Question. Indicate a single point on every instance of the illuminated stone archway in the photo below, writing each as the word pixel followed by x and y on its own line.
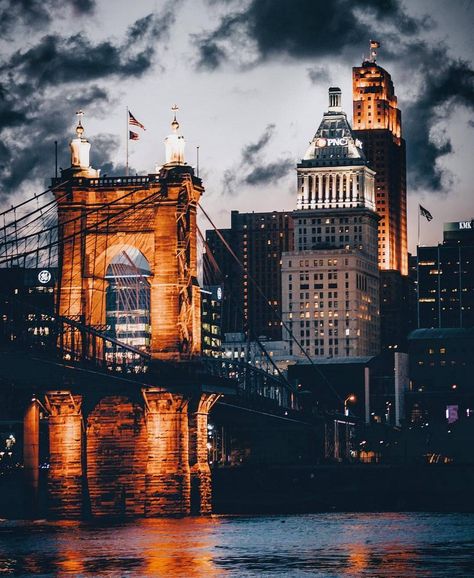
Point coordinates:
pixel 127 310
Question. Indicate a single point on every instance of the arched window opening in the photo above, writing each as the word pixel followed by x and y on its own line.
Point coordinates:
pixel 128 303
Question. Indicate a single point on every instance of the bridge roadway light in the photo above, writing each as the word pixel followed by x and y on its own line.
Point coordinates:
pixel 350 398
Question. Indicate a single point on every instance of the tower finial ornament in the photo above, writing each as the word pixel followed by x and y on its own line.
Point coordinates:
pixel 175 123
pixel 174 143
pixel 79 127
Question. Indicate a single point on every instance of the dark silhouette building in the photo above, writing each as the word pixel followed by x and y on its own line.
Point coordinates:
pixel 252 291
pixel 441 369
pixel 27 303
pixel 445 279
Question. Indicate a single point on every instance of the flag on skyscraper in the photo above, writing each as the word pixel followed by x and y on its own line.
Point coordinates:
pixel 425 213
pixel 374 44
pixel 133 121
pixel 133 135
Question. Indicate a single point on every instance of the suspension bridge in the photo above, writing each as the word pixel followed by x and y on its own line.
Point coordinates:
pixel 117 373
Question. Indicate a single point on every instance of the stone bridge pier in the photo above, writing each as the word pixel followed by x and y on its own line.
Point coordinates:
pixel 143 454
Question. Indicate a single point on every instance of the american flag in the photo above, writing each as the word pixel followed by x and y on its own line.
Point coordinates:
pixel 133 135
pixel 425 213
pixel 133 121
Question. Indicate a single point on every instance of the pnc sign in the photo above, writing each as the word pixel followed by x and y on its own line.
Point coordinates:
pixel 332 142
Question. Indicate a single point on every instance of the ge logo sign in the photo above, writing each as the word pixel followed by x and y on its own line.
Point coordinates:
pixel 44 276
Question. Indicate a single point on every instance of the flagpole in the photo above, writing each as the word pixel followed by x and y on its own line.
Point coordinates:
pixel 418 272
pixel 419 211
pixel 126 141
pixel 418 287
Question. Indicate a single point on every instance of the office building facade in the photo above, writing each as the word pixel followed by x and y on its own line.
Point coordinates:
pixel 377 123
pixel 330 282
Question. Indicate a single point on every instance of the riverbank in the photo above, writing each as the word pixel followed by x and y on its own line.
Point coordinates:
pixel 349 488
pixel 304 490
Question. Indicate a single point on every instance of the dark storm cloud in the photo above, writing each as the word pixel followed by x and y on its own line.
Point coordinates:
pixel 307 29
pixel 250 151
pixel 319 75
pixel 269 173
pixel 57 60
pixel 36 14
pixel 447 85
pixel 252 169
pixel 42 87
pixel 28 154
pixel 302 28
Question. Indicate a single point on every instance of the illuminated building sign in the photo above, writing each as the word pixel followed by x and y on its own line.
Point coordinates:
pixel 332 142
pixel 219 293
pixel 44 276
pixel 460 226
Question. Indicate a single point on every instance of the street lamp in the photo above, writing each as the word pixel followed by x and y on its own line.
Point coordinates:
pixel 350 398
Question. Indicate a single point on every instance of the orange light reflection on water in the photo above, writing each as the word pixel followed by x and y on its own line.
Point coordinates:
pixel 181 548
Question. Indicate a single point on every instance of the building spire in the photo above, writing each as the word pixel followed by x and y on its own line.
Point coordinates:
pixel 174 143
pixel 335 98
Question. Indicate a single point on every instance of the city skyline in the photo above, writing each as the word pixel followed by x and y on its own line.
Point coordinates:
pixel 251 117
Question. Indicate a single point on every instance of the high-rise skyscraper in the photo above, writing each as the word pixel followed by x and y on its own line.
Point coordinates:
pixel 377 123
pixel 330 282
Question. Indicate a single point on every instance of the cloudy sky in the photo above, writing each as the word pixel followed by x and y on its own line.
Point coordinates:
pixel 250 78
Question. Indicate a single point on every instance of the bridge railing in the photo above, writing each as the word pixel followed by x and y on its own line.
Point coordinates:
pixel 253 382
pixel 70 340
pixel 81 343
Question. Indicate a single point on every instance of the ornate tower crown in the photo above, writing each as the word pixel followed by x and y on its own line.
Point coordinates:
pixel 334 142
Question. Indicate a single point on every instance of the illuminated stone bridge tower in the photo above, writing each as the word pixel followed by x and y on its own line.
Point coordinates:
pixel 138 450
pixel 115 220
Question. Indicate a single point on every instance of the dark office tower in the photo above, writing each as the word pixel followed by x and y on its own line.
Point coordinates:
pixel 252 294
pixel 377 123
pixel 446 279
pixel 221 269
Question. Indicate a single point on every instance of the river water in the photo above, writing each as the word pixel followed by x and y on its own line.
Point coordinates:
pixel 379 545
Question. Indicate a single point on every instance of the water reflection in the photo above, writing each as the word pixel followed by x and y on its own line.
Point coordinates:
pixel 319 545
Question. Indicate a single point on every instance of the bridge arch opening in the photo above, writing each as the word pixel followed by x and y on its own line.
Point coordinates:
pixel 128 316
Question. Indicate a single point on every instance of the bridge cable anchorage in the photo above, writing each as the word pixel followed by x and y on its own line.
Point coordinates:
pixel 266 354
pixel 268 304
